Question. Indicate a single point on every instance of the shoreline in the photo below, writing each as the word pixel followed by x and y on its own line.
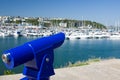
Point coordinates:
pixel 102 70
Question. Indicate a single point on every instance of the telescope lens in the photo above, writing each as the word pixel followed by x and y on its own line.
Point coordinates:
pixel 6 58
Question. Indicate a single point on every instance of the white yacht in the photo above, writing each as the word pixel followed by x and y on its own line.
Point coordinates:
pixel 2 34
pixel 115 35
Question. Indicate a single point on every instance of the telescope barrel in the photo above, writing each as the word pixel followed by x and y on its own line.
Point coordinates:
pixel 28 51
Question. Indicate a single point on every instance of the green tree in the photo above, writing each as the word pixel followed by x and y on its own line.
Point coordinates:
pixel 8 72
pixel 47 24
pixel 18 21
pixel 32 21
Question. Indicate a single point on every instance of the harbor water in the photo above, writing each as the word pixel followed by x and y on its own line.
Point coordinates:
pixel 70 51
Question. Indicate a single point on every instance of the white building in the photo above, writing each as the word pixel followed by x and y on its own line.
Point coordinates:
pixel 63 24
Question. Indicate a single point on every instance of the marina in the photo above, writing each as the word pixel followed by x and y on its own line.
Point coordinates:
pixel 83 42
pixel 71 33
pixel 77 40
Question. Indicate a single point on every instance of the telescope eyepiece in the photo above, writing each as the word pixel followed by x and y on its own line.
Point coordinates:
pixel 6 58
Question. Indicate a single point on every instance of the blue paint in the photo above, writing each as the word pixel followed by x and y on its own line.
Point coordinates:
pixel 36 55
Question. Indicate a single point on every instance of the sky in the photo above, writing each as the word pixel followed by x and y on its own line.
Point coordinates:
pixel 106 12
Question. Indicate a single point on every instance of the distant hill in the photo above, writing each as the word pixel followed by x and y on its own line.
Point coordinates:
pixel 78 23
pixel 50 22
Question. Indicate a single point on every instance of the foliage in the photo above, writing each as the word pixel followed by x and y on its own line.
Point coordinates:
pixel 8 72
pixel 56 22
pixel 32 21
pixel 18 21
pixel 47 24
pixel 79 63
pixel 74 23
pixel 94 60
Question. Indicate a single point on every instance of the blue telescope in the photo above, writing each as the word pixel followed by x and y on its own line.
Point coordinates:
pixel 37 57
